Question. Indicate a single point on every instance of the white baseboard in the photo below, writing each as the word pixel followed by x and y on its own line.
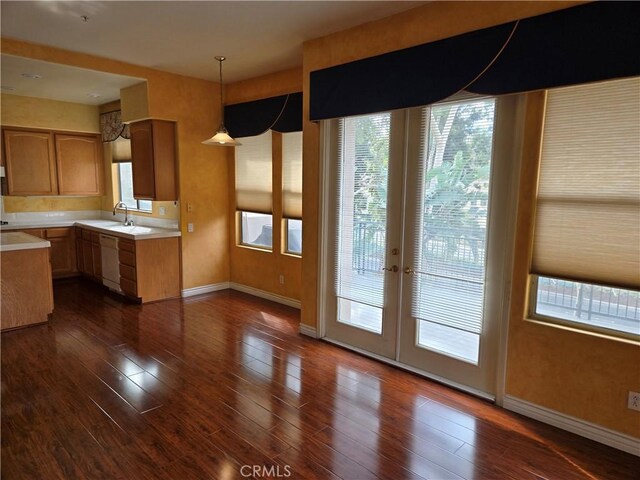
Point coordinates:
pixel 614 439
pixel 214 287
pixel 308 331
pixel 266 295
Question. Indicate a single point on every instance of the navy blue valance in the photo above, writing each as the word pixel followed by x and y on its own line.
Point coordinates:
pixel 591 42
pixel 281 114
pixel 588 43
pixel 405 78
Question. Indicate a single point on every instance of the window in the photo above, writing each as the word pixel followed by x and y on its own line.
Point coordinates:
pixel 294 236
pixel 253 191
pixel 292 191
pixel 125 181
pixel 256 229
pixel 586 251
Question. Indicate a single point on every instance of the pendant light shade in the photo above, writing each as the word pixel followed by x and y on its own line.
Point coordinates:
pixel 221 137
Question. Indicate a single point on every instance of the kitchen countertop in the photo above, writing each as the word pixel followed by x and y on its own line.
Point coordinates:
pixel 10 241
pixel 135 232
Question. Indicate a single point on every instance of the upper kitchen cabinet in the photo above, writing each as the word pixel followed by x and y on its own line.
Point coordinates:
pixel 153 158
pixel 30 162
pixel 79 164
pixel 41 162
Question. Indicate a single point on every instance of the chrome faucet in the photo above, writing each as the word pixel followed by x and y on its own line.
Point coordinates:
pixel 128 222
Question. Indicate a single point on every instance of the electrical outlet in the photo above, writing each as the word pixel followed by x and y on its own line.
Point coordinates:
pixel 634 401
pixel 190 227
pixel 281 279
pixel 163 211
pixel 189 207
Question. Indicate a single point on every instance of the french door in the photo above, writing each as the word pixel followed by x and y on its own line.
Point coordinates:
pixel 413 268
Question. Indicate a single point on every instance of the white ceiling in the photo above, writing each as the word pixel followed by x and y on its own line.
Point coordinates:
pixel 61 82
pixel 257 37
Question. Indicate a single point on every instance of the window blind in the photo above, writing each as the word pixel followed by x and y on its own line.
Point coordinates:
pixel 362 214
pixel 254 175
pixel 588 205
pixel 292 175
pixel 451 224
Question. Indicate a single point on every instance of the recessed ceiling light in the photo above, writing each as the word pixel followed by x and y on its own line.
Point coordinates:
pixel 8 89
pixel 94 95
pixel 33 76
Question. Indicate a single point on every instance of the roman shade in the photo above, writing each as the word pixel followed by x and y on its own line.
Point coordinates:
pixel 280 114
pixel 253 174
pixel 292 175
pixel 121 150
pixel 586 43
pixel 587 225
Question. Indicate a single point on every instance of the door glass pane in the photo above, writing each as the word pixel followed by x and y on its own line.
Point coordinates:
pixel 362 220
pixel 450 241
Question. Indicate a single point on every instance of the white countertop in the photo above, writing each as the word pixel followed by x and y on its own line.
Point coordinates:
pixel 10 241
pixel 135 232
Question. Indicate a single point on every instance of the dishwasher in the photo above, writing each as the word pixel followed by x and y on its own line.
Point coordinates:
pixel 110 262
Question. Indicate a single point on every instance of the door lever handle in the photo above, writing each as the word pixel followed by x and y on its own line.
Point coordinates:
pixel 393 268
pixel 409 271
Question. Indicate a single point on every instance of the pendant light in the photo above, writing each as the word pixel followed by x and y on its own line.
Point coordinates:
pixel 222 137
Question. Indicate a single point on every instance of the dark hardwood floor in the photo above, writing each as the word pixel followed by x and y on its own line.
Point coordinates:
pixel 199 388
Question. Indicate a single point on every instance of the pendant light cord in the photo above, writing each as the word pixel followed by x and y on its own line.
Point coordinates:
pixel 220 60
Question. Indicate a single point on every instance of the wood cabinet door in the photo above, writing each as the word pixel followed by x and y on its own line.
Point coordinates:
pixel 61 257
pixel 79 252
pixel 142 162
pixel 30 162
pixel 87 258
pixel 79 164
pixel 96 254
pixel 63 251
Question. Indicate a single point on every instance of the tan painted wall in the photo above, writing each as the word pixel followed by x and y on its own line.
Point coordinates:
pixel 252 267
pixel 203 174
pixel 32 112
pixel 582 375
pixel 574 373
pixel 20 111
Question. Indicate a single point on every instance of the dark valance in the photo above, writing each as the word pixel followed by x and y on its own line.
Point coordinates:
pixel 591 42
pixel 281 114
pixel 588 43
pixel 112 127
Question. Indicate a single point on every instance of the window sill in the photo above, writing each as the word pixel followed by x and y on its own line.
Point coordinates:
pixel 292 255
pixel 621 337
pixel 254 248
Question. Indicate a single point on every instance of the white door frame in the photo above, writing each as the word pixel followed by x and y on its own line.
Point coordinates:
pixel 509 128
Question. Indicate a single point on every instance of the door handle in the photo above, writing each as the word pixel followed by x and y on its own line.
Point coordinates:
pixel 409 271
pixel 393 268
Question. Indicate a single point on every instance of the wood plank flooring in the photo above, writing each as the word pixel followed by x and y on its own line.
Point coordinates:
pixel 210 386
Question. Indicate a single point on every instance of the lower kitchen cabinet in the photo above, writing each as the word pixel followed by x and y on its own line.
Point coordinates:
pixel 88 253
pixel 150 269
pixel 63 249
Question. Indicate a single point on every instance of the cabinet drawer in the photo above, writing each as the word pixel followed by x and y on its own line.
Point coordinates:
pixel 127 272
pixel 126 245
pixel 57 232
pixel 128 287
pixel 127 258
pixel 86 235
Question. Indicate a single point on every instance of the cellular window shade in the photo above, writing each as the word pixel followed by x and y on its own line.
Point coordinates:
pixel 588 206
pixel 292 175
pixel 253 174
